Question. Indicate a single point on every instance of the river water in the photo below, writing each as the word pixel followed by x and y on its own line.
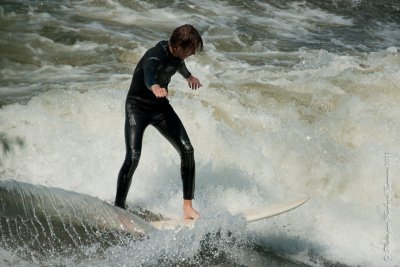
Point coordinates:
pixel 299 98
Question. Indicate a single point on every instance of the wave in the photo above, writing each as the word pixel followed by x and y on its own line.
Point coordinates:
pixel 37 221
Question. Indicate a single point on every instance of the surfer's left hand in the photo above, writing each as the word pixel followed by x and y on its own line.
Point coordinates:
pixel 193 82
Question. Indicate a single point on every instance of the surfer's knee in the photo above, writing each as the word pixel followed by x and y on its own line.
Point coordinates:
pixel 187 154
pixel 186 147
pixel 135 157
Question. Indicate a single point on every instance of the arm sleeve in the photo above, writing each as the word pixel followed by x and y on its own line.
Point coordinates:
pixel 150 67
pixel 184 71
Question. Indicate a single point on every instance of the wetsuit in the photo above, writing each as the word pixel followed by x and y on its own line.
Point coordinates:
pixel 143 108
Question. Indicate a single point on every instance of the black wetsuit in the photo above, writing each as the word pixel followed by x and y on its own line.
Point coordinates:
pixel 143 108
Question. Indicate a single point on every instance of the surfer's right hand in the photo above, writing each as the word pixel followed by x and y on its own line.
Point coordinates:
pixel 159 91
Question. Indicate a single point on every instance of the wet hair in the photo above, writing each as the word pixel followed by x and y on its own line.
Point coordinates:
pixel 186 37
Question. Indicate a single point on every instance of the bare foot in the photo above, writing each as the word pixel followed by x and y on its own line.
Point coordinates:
pixel 189 212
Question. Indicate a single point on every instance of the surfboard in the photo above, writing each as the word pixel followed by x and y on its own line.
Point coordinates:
pixel 40 220
pixel 251 215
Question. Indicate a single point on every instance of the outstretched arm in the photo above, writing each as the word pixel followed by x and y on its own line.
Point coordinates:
pixel 193 82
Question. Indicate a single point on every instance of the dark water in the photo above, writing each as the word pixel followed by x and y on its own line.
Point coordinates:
pixel 299 98
pixel 36 35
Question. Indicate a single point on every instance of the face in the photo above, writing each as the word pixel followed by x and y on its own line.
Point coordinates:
pixel 183 53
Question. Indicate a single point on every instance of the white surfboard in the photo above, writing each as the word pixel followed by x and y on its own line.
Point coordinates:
pixel 251 215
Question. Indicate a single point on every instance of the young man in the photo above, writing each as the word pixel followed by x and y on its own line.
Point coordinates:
pixel 147 104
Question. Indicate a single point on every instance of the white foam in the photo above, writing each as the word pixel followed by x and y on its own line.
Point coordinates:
pixel 261 132
pixel 247 153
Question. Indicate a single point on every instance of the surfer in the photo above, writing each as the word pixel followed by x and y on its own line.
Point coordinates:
pixel 147 104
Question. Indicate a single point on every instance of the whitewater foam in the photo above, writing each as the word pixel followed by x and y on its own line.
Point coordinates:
pixel 284 112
